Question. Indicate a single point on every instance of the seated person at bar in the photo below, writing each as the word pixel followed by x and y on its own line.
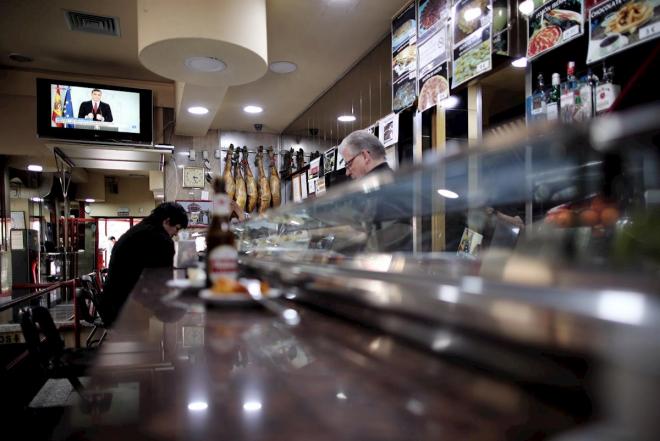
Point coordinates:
pixel 146 245
pixel 387 216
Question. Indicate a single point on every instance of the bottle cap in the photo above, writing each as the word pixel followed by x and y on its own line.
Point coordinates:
pixel 571 67
pixel 555 79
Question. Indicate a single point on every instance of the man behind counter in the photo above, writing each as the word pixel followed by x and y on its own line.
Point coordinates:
pixel 95 109
pixel 386 216
pixel 146 245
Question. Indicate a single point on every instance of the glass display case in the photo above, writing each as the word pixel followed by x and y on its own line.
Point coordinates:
pixel 531 255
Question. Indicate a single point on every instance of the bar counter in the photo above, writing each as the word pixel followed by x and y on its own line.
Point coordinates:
pixel 176 368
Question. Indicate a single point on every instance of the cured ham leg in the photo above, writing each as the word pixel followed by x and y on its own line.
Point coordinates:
pixel 250 182
pixel 274 179
pixel 241 192
pixel 230 185
pixel 262 186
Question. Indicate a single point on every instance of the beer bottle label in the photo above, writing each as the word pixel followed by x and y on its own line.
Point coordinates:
pixel 223 263
pixel 221 205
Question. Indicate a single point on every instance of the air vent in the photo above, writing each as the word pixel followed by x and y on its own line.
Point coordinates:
pixel 95 24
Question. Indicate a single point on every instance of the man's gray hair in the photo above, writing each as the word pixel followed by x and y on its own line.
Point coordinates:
pixel 363 140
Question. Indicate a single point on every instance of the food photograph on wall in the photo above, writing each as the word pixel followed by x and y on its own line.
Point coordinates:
pixel 404 59
pixel 552 25
pixel 472 47
pixel 432 44
pixel 617 25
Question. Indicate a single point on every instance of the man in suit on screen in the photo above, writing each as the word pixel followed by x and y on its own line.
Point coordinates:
pixel 95 109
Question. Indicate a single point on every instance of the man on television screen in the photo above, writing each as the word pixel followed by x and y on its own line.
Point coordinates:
pixel 95 109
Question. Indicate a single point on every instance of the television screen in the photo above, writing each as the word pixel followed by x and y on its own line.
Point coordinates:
pixel 93 112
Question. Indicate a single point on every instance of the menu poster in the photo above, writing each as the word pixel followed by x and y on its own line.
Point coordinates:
pixel 303 185
pixel 617 25
pixel 470 244
pixel 553 24
pixel 501 27
pixel 432 52
pixel 472 57
pixel 311 186
pixel 472 50
pixel 329 160
pixel 404 59
pixel 297 194
pixel 314 168
pixel 389 129
pixel 320 186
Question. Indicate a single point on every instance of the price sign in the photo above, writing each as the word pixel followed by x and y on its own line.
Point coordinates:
pixel 649 31
pixel 570 33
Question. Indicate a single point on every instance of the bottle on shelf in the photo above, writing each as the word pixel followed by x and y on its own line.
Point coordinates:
pixel 567 99
pixel 221 253
pixel 606 91
pixel 539 101
pixel 553 99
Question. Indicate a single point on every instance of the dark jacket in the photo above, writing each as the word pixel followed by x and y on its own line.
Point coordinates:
pixel 86 107
pixel 388 214
pixel 146 245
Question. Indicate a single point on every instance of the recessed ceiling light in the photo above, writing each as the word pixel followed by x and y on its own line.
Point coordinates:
pixel 346 118
pixel 520 62
pixel 20 58
pixel 90 200
pixel 526 7
pixel 205 64
pixel 197 406
pixel 472 14
pixel 282 67
pixel 198 110
pixel 447 193
pixel 35 167
pixel 36 199
pixel 253 109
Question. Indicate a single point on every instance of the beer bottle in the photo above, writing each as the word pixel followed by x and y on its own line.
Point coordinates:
pixel 221 254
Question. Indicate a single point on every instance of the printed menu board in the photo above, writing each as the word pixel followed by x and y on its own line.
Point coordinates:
pixel 432 52
pixel 404 59
pixel 501 27
pixel 472 49
pixel 617 25
pixel 388 131
pixel 554 24
pixel 329 159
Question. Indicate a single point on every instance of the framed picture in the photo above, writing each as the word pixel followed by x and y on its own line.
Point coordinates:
pixel 199 212
pixel 329 160
pixel 18 220
pixel 193 177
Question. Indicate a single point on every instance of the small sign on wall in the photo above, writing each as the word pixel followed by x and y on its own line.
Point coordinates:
pixel 123 211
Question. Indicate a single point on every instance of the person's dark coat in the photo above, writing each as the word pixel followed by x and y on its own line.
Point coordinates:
pixel 87 107
pixel 146 245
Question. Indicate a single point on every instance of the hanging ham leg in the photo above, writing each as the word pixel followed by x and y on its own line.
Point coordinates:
pixel 250 182
pixel 230 185
pixel 241 192
pixel 262 186
pixel 274 179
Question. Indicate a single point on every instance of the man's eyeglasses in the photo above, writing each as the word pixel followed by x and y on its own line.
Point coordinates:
pixel 348 164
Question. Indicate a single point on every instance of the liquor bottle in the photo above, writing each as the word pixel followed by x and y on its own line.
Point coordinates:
pixel 606 91
pixel 579 111
pixel 567 100
pixel 553 99
pixel 539 101
pixel 221 254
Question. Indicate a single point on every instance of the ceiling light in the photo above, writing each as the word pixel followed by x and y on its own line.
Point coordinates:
pixel 253 109
pixel 342 396
pixel 472 14
pixel 447 193
pixel 198 110
pixel 197 406
pixel 36 199
pixel 252 406
pixel 346 118
pixel 90 200
pixel 282 67
pixel 450 102
pixel 35 167
pixel 526 7
pixel 520 62
pixel 205 64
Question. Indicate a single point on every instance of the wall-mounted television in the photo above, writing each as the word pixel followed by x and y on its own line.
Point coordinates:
pixel 94 112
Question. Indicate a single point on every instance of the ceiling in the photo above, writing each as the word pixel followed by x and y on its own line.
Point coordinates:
pixel 323 37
